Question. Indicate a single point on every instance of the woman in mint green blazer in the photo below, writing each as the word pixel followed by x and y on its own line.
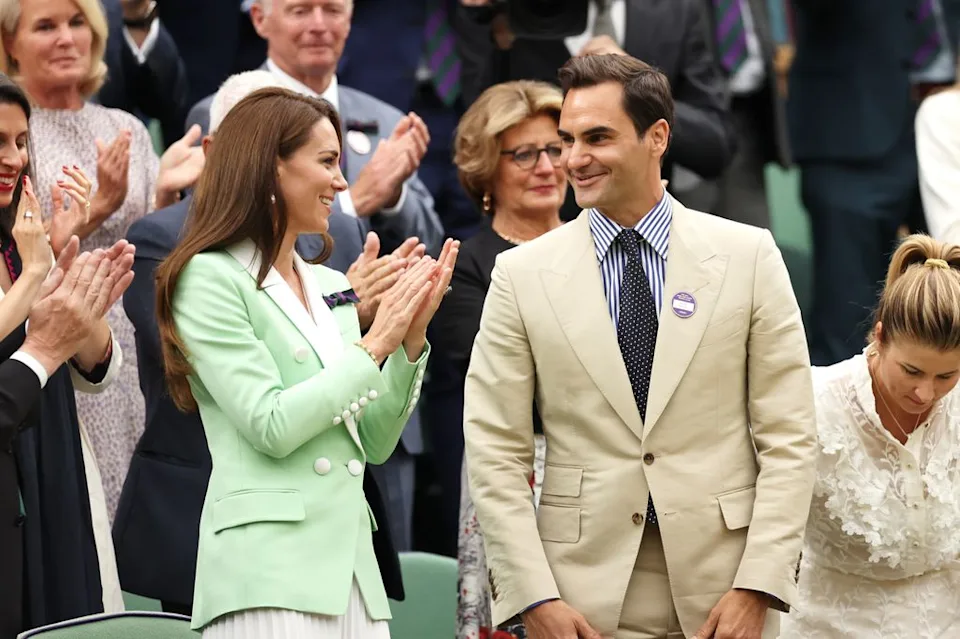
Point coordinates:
pixel 294 402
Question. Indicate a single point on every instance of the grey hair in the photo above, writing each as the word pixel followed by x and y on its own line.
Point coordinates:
pixel 236 88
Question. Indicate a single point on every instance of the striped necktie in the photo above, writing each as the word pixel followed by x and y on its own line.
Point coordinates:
pixel 929 42
pixel 441 52
pixel 731 34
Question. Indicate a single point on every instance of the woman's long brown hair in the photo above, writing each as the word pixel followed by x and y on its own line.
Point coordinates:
pixel 232 202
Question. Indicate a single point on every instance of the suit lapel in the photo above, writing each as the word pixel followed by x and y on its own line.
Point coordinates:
pixel 693 268
pixel 576 295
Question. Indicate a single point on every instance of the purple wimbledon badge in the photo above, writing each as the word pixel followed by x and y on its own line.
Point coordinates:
pixel 684 305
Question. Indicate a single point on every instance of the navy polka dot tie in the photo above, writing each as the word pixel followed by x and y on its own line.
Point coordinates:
pixel 637 329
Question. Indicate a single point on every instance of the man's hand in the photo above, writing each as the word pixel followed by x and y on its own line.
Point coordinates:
pixel 396 159
pixel 601 45
pixel 556 620
pixel 739 614
pixel 371 277
pixel 180 167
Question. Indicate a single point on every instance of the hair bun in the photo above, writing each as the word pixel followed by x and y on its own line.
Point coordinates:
pixel 936 262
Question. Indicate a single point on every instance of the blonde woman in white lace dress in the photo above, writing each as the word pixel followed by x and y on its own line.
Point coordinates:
pixel 882 544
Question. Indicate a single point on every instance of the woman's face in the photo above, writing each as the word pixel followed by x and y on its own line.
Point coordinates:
pixel 530 181
pixel 52 44
pixel 310 180
pixel 13 150
pixel 913 377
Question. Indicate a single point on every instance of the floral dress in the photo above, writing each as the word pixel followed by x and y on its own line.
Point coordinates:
pixel 474 616
pixel 882 542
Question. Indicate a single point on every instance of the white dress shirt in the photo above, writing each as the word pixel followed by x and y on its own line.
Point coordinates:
pixel 938 157
pixel 331 95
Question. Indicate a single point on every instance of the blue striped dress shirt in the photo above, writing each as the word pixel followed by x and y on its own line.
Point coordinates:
pixel 654 228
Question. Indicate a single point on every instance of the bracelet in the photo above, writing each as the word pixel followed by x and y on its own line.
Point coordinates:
pixel 368 352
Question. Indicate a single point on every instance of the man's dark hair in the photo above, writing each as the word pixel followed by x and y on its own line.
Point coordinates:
pixel 646 91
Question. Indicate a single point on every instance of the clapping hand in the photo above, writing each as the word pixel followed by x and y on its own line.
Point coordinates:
pixel 443 272
pixel 180 167
pixel 29 234
pixel 395 160
pixel 371 276
pixel 113 165
pixel 66 221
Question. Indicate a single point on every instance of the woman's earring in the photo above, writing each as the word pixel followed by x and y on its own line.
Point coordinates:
pixel 486 203
pixel 273 199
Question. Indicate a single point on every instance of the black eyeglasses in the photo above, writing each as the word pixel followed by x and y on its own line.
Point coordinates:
pixel 527 156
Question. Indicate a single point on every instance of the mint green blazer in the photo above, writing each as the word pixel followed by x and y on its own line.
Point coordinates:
pixel 293 412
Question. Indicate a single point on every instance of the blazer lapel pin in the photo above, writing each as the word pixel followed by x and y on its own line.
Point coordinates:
pixel 359 134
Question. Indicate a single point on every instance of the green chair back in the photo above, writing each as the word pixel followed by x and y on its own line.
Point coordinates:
pixel 123 625
pixel 430 608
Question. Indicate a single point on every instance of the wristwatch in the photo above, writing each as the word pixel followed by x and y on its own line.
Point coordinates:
pixel 144 20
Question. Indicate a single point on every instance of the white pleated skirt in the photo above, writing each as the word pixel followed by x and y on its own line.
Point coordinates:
pixel 275 623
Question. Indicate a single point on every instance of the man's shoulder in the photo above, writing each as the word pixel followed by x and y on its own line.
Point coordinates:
pixel 727 236
pixel 156 233
pixel 354 102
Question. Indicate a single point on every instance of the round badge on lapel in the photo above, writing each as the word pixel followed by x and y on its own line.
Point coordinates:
pixel 359 142
pixel 684 305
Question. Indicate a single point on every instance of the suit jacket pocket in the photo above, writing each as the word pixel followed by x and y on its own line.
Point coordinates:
pixel 562 481
pixel 559 523
pixel 251 506
pixel 722 329
pixel 737 507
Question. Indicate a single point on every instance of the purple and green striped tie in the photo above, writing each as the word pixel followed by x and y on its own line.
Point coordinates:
pixel 929 42
pixel 731 34
pixel 441 52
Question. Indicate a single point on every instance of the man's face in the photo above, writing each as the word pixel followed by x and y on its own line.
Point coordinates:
pixel 604 159
pixel 305 37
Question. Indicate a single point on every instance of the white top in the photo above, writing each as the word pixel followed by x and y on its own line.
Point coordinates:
pixel 884 519
pixel 938 155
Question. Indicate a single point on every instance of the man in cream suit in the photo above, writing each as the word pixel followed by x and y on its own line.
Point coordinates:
pixel 665 352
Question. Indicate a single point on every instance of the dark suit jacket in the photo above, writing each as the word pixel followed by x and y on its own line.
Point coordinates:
pixel 19 394
pixel 157 524
pixel 215 40
pixel 156 89
pixel 673 36
pixel 849 84
pixel 772 122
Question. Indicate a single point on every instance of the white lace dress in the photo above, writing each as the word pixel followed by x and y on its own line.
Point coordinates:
pixel 880 557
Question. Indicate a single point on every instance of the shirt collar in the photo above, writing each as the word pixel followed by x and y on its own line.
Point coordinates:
pixel 331 95
pixel 654 227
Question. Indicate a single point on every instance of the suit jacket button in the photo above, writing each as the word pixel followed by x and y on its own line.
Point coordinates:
pixel 637 519
pixel 354 407
pixel 648 459
pixel 300 354
pixel 354 467
pixel 372 394
pixel 322 466
pixel 345 414
pixel 337 420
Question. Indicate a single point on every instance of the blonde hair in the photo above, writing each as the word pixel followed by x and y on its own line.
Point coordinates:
pixel 478 140
pixel 92 12
pixel 921 300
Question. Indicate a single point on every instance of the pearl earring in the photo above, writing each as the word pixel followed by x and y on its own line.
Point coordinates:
pixel 486 203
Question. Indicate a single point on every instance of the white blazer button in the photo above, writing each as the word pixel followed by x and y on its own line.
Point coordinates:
pixel 354 467
pixel 322 466
pixel 337 420
pixel 354 407
pixel 345 414
pixel 363 401
pixel 300 354
pixel 372 394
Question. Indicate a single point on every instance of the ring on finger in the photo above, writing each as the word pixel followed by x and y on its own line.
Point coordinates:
pixel 28 215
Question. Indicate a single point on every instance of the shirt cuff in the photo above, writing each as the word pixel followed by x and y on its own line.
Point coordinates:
pixel 399 205
pixel 141 52
pixel 31 362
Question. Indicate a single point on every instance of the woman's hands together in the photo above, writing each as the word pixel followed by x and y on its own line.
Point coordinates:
pixel 407 308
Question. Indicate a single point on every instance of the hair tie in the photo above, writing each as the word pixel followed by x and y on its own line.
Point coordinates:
pixel 936 262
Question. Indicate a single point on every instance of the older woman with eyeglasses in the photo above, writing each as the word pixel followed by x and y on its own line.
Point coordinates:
pixel 507 152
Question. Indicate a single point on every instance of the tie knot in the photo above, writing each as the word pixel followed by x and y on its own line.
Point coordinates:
pixel 630 242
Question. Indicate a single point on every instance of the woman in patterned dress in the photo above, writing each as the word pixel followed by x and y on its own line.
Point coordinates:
pixel 54 49
pixel 881 557
pixel 508 157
